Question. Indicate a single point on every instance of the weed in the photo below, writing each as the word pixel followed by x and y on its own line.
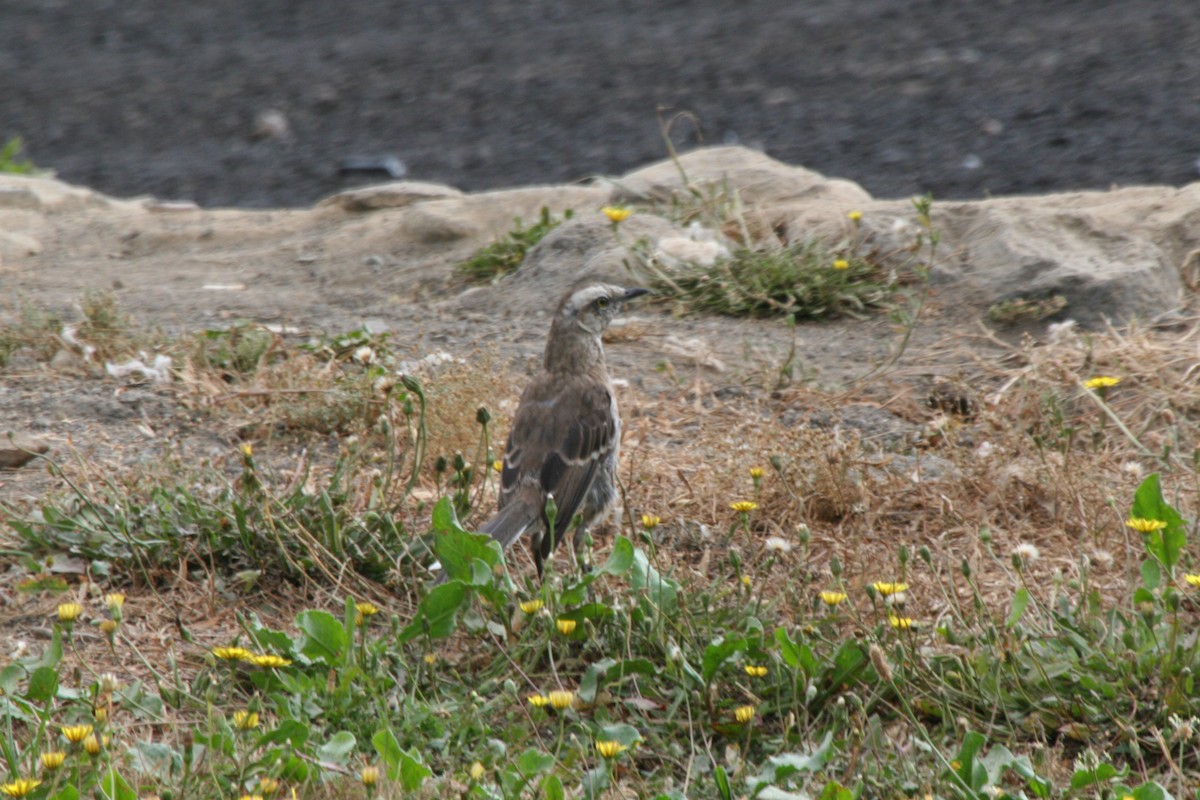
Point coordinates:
pixel 506 254
pixel 11 160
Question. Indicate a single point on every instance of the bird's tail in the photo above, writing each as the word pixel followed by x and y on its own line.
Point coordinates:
pixel 512 522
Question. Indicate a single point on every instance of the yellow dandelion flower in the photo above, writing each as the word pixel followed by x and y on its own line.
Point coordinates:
pixel 532 606
pixel 566 626
pixel 1193 580
pixel 746 581
pixel 855 216
pixel 20 787
pixel 1101 382
pixel 369 776
pixel 268 660
pixel 832 598
pixel 247 449
pixel 53 759
pixel 430 659
pixel 744 506
pixel 616 214
pixel 498 465
pixel 650 522
pixel 114 601
pixel 610 748
pixel 76 733
pixel 232 653
pixel 366 609
pixel 91 745
pixel 1145 525
pixel 69 612
pixel 885 588
pixel 561 699
pixel 744 714
pixel 538 700
pixel 245 720
pixel 476 771
pixel 251 797
pixel 100 713
pixel 755 671
pixel 268 785
pixel 900 623
pixel 109 626
pixel 841 263
pixel 756 472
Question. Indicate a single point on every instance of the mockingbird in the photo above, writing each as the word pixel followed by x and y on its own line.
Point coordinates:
pixel 566 432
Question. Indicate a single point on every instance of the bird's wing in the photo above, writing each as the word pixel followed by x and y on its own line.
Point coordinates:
pixel 563 431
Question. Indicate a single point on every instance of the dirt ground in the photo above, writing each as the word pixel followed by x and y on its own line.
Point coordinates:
pixel 962 100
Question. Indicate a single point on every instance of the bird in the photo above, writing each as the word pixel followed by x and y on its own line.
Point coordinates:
pixel 566 434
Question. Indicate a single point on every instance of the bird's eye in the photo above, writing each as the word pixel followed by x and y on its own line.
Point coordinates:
pixel 601 302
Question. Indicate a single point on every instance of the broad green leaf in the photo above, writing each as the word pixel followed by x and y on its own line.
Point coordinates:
pixel 534 762
pixel 552 788
pixel 619 732
pixel 113 787
pixel 620 558
pixel 778 768
pixel 324 637
pixel 338 748
pixel 968 771
pixel 662 592
pixel 289 731
pixel 1166 544
pixel 43 684
pixel 718 653
pixel 67 792
pixel 1083 778
pixel 835 791
pixel 437 614
pixel 389 751
pixel 1151 790
pixel 596 782
pixel 10 678
pixel 413 771
pixel 721 778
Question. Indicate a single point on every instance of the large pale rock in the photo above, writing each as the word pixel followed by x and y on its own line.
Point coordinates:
pixel 33 193
pixel 759 181
pixel 397 194
pixel 581 249
pixel 489 215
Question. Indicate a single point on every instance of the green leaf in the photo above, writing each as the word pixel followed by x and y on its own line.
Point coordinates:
pixel 113 787
pixel 10 677
pixel 778 768
pixel 1151 790
pixel 534 762
pixel 619 560
pixel 413 771
pixel 835 791
pixel 1019 603
pixel 1083 778
pixel 552 788
pixel 43 684
pixel 619 732
pixel 969 772
pixel 722 780
pixel 154 759
pixel 795 655
pixel 67 792
pixel 596 783
pixel 437 614
pixel 338 748
pixel 389 751
pixel 324 637
pixel 460 552
pixel 289 731
pixel 1166 544
pixel 718 653
pixel 662 592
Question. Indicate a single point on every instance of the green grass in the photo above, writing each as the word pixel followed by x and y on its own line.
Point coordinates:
pixel 506 254
pixel 11 160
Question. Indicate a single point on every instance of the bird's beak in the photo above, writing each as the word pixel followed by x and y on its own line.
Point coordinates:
pixel 635 291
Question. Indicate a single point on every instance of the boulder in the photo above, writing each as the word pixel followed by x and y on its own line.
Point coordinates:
pixel 390 195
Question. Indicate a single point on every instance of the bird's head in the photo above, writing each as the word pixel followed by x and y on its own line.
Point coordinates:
pixel 594 306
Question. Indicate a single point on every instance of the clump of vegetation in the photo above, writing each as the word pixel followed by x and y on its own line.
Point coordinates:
pixel 504 255
pixel 1026 309
pixel 11 160
pixel 801 281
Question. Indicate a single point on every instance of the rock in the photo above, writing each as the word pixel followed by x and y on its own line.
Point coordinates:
pixel 490 215
pixel 18 245
pixel 390 195
pixel 17 449
pixel 583 248
pixel 759 180
pixel 47 195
